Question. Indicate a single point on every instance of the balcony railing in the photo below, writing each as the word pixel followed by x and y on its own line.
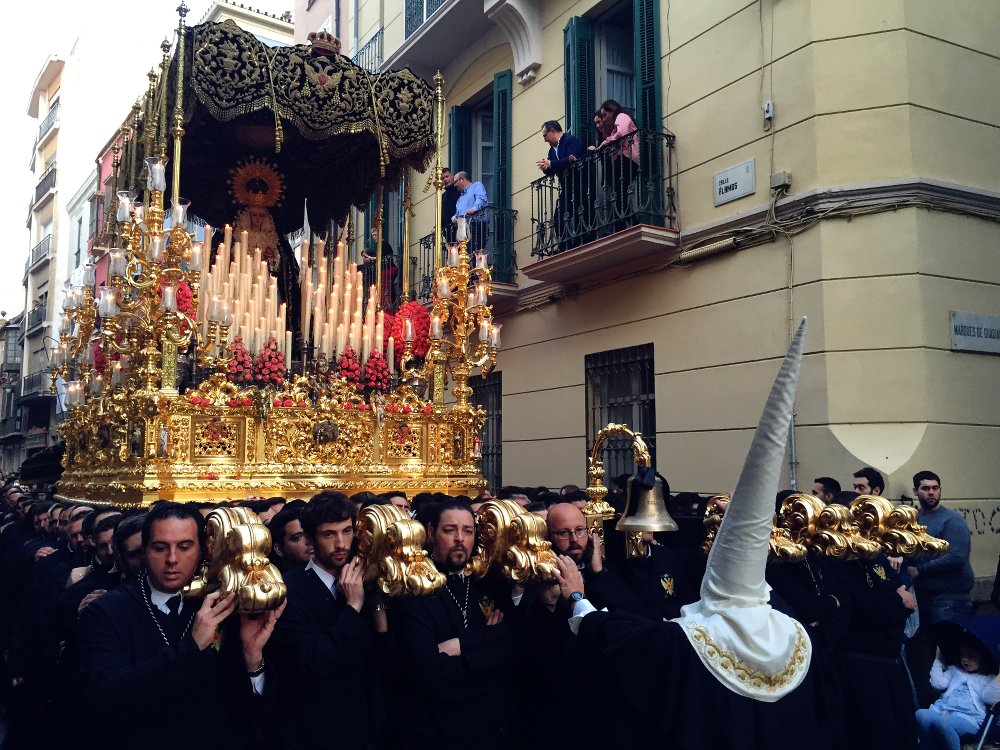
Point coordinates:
pixel 392 281
pixel 604 193
pixel 491 229
pixel 418 11
pixel 36 317
pixel 48 122
pixel 369 57
pixel 36 384
pixel 10 426
pixel 40 251
pixel 46 183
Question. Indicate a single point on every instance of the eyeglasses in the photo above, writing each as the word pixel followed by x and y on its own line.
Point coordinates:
pixel 579 533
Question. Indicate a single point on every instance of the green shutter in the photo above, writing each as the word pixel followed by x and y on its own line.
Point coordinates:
pixel 503 94
pixel 646 22
pixel 578 65
pixel 459 139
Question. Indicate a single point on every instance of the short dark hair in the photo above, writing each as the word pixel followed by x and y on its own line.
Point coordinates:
pixel 326 507
pixel 124 528
pixel 105 524
pixel 875 480
pixel 551 125
pixel 830 485
pixel 281 519
pixel 920 476
pixel 535 506
pixel 508 491
pixel 167 509
pixel 845 497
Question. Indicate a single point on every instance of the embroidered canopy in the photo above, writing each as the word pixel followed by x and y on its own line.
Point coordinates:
pixel 333 130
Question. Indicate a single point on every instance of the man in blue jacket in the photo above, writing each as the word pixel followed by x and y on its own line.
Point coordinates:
pixel 564 150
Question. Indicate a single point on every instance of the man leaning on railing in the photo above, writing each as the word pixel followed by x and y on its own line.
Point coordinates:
pixel 564 150
pixel 471 199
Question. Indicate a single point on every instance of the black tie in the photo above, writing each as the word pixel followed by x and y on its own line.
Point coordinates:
pixel 174 605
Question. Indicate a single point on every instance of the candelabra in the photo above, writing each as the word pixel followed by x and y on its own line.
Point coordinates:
pixel 460 299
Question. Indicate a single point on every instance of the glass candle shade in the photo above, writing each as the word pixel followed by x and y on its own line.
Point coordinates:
pixel 157 173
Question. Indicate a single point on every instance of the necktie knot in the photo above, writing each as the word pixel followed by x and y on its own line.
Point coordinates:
pixel 174 604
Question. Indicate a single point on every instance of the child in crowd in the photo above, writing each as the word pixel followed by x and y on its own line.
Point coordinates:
pixel 969 686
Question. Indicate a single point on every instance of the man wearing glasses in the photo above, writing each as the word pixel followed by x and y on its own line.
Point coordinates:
pixel 568 534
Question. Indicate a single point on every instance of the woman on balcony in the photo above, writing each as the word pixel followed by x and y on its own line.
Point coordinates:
pixel 623 140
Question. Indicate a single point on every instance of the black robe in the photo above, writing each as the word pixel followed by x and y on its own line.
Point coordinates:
pixel 152 695
pixel 322 654
pixel 662 696
pixel 458 702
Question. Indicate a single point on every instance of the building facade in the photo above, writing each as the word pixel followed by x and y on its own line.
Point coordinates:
pixel 875 126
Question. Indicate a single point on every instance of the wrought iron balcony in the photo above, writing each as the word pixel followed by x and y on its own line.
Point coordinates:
pixel 36 384
pixel 604 193
pixel 49 121
pixel 46 183
pixel 418 11
pixel 40 251
pixel 369 56
pixel 36 317
pixel 491 229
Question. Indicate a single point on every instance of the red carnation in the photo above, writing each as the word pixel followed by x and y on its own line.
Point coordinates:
pixel 417 313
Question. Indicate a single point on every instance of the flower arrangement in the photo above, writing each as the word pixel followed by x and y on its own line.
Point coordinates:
pixel 269 366
pixel 375 376
pixel 240 366
pixel 417 313
pixel 349 367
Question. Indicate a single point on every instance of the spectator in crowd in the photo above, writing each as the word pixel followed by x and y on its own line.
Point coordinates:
pixel 867 481
pixel 619 175
pixel 472 199
pixel 943 583
pixel 576 198
pixel 390 272
pixel 825 488
pixel 449 204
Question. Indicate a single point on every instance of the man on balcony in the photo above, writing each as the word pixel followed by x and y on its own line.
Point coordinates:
pixel 471 199
pixel 564 150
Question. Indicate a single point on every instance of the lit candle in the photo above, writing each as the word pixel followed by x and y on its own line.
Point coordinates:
pixel 288 348
pixel 484 329
pixel 435 326
pixel 495 335
pixel 444 287
pixel 116 374
pixel 194 261
pixel 470 301
pixel 341 334
pixel 178 212
pixel 97 385
pixel 225 313
pixel 461 229
pixel 480 259
pixel 168 300
pixel 481 296
pixel 453 252
pixel 390 355
pixel 156 248
pixel 408 330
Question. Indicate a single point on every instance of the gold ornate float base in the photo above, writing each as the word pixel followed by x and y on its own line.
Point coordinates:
pixel 221 442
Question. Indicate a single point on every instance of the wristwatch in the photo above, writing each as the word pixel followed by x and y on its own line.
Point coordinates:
pixel 576 596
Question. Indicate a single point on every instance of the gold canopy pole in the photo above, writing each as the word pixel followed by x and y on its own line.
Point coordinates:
pixel 406 239
pixel 378 249
pixel 438 180
pixel 178 129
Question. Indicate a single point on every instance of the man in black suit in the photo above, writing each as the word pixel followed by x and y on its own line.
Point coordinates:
pixel 460 645
pixel 165 672
pixel 322 648
pixel 576 197
pixel 449 202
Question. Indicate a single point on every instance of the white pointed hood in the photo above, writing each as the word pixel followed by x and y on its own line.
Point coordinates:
pixel 749 647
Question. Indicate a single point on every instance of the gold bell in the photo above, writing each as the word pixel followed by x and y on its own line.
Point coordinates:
pixel 645 508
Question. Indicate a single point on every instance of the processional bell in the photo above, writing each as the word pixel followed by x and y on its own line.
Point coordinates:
pixel 645 505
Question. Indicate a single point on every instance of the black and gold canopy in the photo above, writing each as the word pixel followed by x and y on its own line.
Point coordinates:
pixel 333 130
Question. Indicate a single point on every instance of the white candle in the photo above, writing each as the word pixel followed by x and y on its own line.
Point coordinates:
pixel 481 296
pixel 390 356
pixel 461 229
pixel 408 330
pixel 480 260
pixel 288 349
pixel 444 287
pixel 340 340
pixel 435 326
pixel 495 335
pixel 484 329
pixel 168 300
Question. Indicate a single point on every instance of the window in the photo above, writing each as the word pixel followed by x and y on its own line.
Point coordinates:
pixel 620 389
pixel 488 393
pixel 79 241
pixel 615 64
pixel 482 165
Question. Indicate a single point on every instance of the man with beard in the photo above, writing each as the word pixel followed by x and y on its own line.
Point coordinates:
pixel 151 658
pixel 943 583
pixel 323 647
pixel 460 645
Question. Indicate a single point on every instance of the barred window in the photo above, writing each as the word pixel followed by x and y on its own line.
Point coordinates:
pixel 620 386
pixel 487 393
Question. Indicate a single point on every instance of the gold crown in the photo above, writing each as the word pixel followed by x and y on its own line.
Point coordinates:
pixel 324 43
pixel 256 182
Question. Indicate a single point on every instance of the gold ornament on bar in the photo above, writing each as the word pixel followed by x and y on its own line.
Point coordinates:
pixel 391 547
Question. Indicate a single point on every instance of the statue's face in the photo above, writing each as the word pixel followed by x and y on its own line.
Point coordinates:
pixel 257 216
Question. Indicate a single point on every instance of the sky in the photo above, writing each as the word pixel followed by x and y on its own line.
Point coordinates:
pixel 36 30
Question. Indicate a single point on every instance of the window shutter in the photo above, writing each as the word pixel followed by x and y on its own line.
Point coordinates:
pixel 646 22
pixel 578 66
pixel 459 139
pixel 503 84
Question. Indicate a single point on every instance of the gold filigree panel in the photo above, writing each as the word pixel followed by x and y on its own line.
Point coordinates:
pixel 216 437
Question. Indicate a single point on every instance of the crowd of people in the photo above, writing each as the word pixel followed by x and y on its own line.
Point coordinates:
pixel 100 649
